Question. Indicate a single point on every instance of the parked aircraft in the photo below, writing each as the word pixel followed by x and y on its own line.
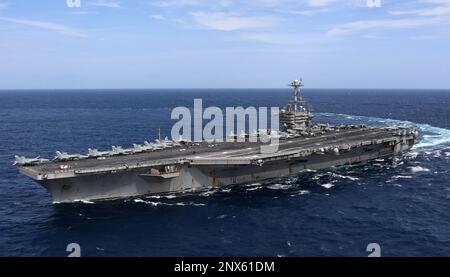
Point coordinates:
pixel 94 153
pixel 21 160
pixel 63 156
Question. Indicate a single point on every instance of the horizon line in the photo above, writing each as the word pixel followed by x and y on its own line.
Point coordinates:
pixel 213 88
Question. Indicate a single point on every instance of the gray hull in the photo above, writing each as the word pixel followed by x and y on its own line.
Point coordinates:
pixel 138 181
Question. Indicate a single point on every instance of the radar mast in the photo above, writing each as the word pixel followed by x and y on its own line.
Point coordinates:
pixel 297 115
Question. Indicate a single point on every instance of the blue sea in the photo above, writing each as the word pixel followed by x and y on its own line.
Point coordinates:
pixel 402 203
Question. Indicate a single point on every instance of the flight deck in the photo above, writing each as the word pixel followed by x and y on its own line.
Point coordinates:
pixel 222 153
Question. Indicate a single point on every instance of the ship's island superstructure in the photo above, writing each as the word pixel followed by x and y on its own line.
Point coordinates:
pixel 166 166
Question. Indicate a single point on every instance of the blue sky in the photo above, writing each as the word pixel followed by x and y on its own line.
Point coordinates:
pixel 224 43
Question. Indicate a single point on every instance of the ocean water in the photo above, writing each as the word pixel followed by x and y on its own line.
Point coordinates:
pixel 401 203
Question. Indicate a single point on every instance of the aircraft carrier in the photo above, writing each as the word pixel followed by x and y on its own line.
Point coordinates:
pixel 167 166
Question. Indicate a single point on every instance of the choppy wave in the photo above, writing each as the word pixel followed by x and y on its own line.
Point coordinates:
pixel 279 186
pixel 301 192
pixel 328 185
pixel 416 169
pixel 345 177
pixel 253 188
pixel 402 177
pixel 170 196
pixel 431 135
pixel 79 201
pixel 160 203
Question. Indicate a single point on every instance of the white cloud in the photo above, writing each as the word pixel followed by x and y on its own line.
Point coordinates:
pixel 362 25
pixel 81 13
pixel 176 3
pixel 268 3
pixel 281 38
pixel 192 3
pixel 261 20
pixel 158 17
pixel 373 36
pixel 436 1
pixel 311 12
pixel 435 11
pixel 46 26
pixel 231 22
pixel 105 4
pixel 271 38
pixel 426 38
pixel 439 8
pixel 319 3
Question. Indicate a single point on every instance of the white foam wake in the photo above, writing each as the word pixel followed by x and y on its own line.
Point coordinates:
pixel 415 169
pixel 153 203
pixel 430 135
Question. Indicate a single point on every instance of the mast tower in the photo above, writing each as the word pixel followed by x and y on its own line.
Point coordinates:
pixel 297 115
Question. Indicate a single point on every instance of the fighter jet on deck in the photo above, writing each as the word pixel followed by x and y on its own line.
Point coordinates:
pixel 166 143
pixel 147 146
pixel 94 153
pixel 118 150
pixel 137 148
pixel 154 146
pixel 63 156
pixel 21 160
pixel 170 143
